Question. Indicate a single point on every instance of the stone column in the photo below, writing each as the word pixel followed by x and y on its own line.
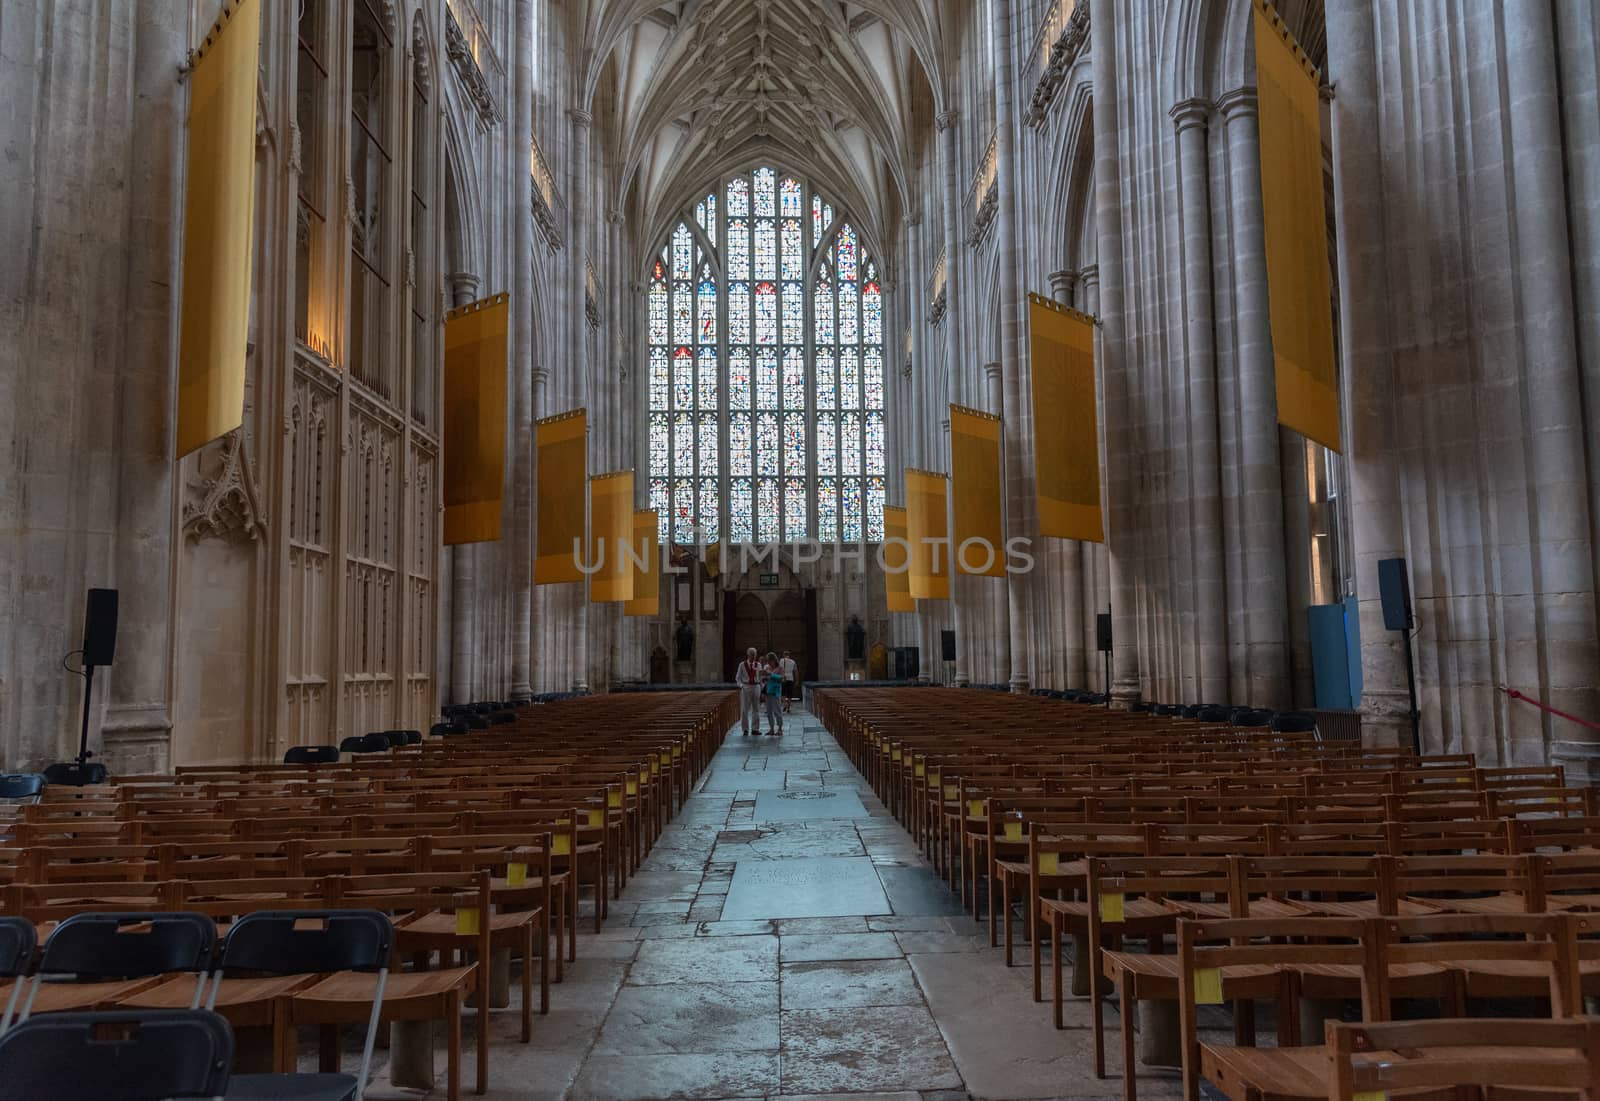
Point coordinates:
pixel 1018 489
pixel 578 208
pixel 463 563
pixel 1115 461
pixel 1367 372
pixel 1073 553
pixel 1205 506
pixel 1563 568
pixel 994 402
pixel 1261 499
pixel 519 547
pixel 136 692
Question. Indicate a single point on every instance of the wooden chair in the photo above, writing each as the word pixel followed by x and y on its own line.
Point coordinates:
pixel 1153 975
pixel 1557 1059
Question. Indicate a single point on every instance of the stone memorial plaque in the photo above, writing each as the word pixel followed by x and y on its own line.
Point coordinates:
pixel 843 886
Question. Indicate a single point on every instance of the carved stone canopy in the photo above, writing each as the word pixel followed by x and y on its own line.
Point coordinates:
pixel 225 503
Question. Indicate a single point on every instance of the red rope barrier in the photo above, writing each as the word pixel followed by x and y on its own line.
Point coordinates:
pixel 1542 706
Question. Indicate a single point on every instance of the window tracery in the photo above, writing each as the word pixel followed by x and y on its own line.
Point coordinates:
pixel 791 334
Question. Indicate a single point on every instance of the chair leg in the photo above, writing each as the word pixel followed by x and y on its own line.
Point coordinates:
pixel 544 961
pixel 1130 1088
pixel 1034 948
pixel 989 890
pixel 1005 895
pixel 1055 972
pixel 483 1026
pixel 328 1049
pixel 452 1009
pixel 527 982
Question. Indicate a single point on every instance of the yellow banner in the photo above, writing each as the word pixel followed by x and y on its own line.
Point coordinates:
pixel 976 491
pixel 927 519
pixel 475 362
pixel 1299 292
pixel 1066 445
pixel 897 560
pixel 562 443
pixel 218 207
pixel 610 531
pixel 646 579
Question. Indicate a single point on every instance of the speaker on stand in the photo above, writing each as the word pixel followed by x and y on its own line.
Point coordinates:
pixel 99 648
pixel 1102 641
pixel 1394 589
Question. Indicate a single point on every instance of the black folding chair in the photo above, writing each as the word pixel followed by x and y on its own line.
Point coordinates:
pixel 311 755
pixel 23 785
pixel 147 1055
pixel 18 939
pixel 309 942
pixel 376 742
pixel 111 947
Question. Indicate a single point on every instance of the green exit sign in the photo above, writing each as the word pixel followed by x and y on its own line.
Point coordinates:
pixel 769 581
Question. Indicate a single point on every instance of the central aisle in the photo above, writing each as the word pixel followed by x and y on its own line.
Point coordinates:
pixel 785 939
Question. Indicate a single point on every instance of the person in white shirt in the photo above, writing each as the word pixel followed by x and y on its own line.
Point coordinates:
pixel 749 676
pixel 791 681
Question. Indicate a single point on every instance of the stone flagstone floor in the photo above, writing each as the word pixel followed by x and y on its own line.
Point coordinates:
pixel 785 940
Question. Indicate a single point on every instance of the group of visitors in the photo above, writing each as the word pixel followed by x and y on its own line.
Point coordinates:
pixel 774 681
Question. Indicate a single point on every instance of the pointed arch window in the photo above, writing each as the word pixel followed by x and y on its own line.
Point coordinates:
pixel 765 382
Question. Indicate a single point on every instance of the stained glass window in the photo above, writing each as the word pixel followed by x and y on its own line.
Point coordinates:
pixel 791 200
pixel 794 446
pixel 766 313
pixel 827 443
pixel 658 378
pixel 707 317
pixel 827 510
pixel 682 253
pixel 660 453
pixel 682 379
pixel 739 512
pixel 794 257
pixel 766 249
pixel 738 378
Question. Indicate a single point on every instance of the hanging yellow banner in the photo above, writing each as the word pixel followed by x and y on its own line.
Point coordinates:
pixel 610 532
pixel 475 364
pixel 928 531
pixel 897 560
pixel 1066 446
pixel 562 442
pixel 218 209
pixel 976 490
pixel 646 598
pixel 1299 282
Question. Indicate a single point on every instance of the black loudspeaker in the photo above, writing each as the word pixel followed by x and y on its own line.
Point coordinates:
pixel 1395 589
pixel 100 627
pixel 947 645
pixel 1102 632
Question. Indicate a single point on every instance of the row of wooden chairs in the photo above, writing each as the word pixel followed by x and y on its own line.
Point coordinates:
pixel 1114 829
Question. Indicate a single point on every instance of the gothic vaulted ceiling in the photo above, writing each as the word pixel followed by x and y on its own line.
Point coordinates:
pixel 696 88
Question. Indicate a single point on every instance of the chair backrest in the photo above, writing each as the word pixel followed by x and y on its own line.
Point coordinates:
pixel 1295 722
pixel 22 785
pixel 128 945
pixel 75 775
pixel 1385 1057
pixel 18 938
pixel 311 755
pixel 141 1055
pixel 304 942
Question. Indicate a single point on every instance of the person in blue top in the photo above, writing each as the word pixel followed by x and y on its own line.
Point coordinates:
pixel 772 695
